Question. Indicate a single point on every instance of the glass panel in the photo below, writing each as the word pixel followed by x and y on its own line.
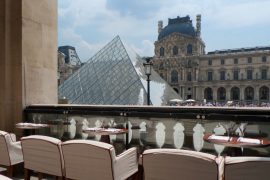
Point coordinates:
pixel 115 75
pixel 155 132
pixel 249 74
pixel 210 76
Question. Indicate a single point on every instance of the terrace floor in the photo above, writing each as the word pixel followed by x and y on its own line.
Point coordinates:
pixel 19 175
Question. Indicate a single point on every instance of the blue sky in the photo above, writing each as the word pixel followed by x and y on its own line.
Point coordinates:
pixel 89 24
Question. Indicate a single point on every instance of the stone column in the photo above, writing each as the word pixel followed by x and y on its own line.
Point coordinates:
pixel 28 57
pixel 242 93
pixel 228 93
pixel 214 89
pixel 256 93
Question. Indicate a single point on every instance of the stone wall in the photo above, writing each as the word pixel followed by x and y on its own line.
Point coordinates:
pixel 28 57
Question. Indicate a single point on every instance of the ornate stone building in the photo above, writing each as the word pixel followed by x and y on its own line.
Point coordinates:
pixel 68 62
pixel 240 75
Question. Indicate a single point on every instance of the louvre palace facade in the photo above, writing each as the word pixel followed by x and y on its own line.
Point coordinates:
pixel 240 75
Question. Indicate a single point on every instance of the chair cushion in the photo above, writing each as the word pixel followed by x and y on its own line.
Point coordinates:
pixel 43 154
pixel 177 164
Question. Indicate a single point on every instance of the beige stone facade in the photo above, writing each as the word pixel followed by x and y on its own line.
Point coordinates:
pixel 241 75
pixel 68 63
pixel 28 59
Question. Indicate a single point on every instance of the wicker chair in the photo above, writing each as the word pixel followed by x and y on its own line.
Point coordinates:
pixel 86 159
pixel 4 177
pixel 248 168
pixel 42 154
pixel 174 164
pixel 10 152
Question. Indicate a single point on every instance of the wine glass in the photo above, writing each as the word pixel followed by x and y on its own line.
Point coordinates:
pixel 241 132
pixel 111 123
pixel 230 128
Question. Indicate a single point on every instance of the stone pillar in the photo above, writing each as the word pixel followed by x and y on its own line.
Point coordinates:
pixel 256 93
pixel 242 93
pixel 214 89
pixel 28 57
pixel 198 25
pixel 228 93
pixel 160 26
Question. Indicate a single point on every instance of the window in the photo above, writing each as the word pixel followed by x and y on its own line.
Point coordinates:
pixel 210 76
pixel 176 90
pixel 264 59
pixel 235 61
pixel 249 93
pixel 161 51
pixel 264 73
pixel 222 75
pixel 189 77
pixel 189 49
pixel 249 74
pixel 249 60
pixel 208 94
pixel 235 93
pixel 235 75
pixel 221 93
pixel 222 62
pixel 264 93
pixel 174 76
pixel 175 50
pixel 209 62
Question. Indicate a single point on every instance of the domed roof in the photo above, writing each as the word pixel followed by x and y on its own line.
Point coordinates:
pixel 181 25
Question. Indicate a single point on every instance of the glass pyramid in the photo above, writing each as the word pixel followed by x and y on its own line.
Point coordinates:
pixel 115 76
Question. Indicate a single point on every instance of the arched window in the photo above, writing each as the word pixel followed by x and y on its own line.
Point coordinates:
pixel 208 94
pixel 161 51
pixel 249 93
pixel 264 93
pixel 235 93
pixel 175 50
pixel 174 76
pixel 189 49
pixel 221 93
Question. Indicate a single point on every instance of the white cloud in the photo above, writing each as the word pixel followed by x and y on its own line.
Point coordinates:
pixel 146 48
pixel 241 14
pixel 84 49
pixel 224 13
pixel 101 24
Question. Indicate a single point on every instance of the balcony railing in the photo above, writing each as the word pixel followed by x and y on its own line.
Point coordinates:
pixel 155 127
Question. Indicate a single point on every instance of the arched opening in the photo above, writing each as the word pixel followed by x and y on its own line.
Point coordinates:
pixel 235 94
pixel 208 94
pixel 161 51
pixel 249 94
pixel 264 93
pixel 175 50
pixel 189 49
pixel 174 76
pixel 221 94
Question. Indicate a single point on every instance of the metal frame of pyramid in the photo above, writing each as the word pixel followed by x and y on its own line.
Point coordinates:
pixel 115 76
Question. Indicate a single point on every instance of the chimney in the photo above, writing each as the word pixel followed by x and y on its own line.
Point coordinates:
pixel 160 26
pixel 198 25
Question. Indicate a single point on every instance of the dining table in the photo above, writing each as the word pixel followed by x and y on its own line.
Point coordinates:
pixel 105 132
pixel 236 144
pixel 30 128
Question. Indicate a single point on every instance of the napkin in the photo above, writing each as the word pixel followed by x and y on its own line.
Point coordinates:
pixel 249 140
pixel 113 130
pixel 215 137
pixel 94 129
